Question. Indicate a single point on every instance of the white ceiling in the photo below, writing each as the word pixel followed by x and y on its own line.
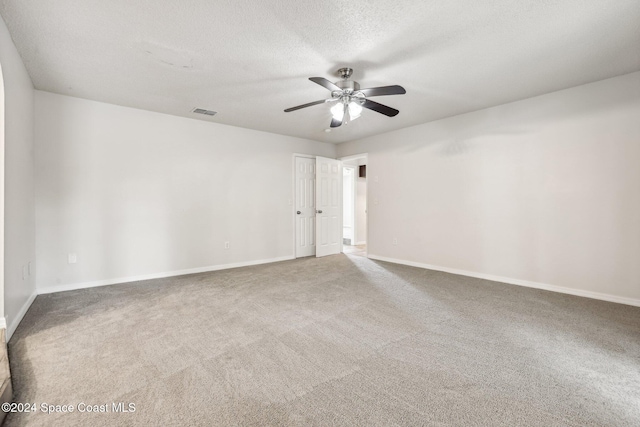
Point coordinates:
pixel 249 60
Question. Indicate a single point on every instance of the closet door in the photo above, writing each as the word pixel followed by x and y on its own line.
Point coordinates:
pixel 305 206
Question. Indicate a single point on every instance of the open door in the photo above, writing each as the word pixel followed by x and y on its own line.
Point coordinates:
pixel 305 176
pixel 328 206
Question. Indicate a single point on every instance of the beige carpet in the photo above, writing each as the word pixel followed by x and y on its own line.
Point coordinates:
pixel 341 340
pixel 360 250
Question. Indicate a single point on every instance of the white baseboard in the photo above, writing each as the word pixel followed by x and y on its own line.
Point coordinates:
pixel 84 285
pixel 518 282
pixel 13 324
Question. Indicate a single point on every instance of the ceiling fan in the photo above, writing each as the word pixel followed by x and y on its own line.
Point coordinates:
pixel 350 99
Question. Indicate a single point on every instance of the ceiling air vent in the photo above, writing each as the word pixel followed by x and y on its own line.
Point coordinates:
pixel 203 111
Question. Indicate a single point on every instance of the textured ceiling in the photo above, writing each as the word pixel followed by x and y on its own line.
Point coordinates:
pixel 249 60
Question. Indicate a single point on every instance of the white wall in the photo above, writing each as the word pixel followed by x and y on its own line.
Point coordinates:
pixel 137 193
pixel 543 192
pixel 19 204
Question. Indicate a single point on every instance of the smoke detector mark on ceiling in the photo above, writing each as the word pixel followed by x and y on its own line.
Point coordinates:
pixel 203 111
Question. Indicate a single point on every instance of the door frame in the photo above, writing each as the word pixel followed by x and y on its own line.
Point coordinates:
pixel 368 192
pixel 292 202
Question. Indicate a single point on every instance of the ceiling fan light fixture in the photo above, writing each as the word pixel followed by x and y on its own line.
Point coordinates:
pixel 354 110
pixel 337 111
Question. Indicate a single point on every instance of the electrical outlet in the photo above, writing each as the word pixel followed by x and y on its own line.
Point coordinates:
pixel 226 245
pixel 73 258
pixel 395 240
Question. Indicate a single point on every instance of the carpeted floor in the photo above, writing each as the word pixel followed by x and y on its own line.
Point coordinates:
pixel 341 340
pixel 360 250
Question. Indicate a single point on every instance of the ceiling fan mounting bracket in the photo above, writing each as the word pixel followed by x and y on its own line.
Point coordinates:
pixel 345 73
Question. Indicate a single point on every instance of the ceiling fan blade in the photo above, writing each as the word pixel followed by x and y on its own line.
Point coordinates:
pixel 382 109
pixel 384 90
pixel 288 110
pixel 324 83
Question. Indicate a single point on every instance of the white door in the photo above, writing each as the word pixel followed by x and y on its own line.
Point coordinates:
pixel 305 207
pixel 328 206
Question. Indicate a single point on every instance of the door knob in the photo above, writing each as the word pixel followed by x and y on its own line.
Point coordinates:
pixel 318 211
pixel 298 212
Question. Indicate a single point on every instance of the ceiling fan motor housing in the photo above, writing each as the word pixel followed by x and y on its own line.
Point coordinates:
pixel 348 85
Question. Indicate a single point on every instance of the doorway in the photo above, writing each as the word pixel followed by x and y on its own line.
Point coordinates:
pixel 348 204
pixel 318 206
pixel 354 205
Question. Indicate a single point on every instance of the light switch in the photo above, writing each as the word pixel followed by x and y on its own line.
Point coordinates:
pixel 73 258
